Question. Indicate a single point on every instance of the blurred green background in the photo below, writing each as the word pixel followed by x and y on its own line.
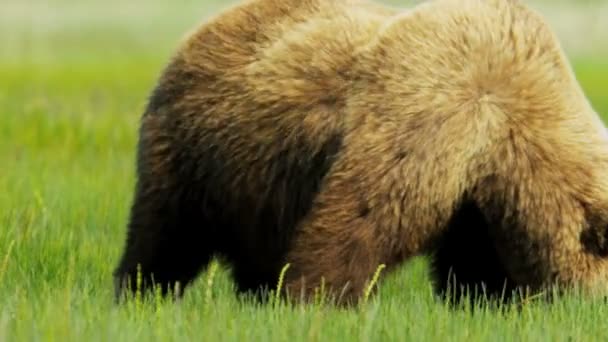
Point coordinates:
pixel 106 29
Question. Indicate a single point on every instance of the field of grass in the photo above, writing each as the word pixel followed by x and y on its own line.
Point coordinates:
pixel 74 77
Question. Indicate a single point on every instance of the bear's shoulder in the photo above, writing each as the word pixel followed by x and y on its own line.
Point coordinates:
pixel 297 51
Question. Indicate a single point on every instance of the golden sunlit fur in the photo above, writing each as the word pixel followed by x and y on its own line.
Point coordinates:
pixel 412 114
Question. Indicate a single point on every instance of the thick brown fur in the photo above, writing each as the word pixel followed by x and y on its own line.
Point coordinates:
pixel 338 135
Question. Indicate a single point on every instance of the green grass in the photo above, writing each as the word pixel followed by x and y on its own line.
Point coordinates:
pixel 70 101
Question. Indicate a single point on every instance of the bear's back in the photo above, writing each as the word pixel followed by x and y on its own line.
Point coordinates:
pixel 292 52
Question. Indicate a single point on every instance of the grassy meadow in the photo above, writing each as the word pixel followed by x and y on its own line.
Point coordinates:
pixel 74 76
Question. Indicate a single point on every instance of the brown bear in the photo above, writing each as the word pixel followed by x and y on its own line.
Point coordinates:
pixel 339 135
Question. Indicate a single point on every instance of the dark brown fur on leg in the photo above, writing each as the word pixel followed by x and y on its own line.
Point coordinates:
pixel 339 269
pixel 165 239
pixel 163 245
pixel 465 261
pixel 339 262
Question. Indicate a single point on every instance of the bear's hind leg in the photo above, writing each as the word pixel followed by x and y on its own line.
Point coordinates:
pixel 465 260
pixel 541 264
pixel 540 237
